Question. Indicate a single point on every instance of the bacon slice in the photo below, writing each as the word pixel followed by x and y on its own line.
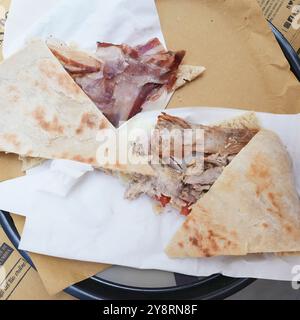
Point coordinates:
pixel 120 79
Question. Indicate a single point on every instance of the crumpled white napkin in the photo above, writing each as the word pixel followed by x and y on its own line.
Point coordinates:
pixel 62 176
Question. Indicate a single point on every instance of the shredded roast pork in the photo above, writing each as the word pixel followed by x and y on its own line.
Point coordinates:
pixel 120 79
pixel 182 185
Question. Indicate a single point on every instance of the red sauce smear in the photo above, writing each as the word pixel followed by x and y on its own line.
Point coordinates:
pixel 164 200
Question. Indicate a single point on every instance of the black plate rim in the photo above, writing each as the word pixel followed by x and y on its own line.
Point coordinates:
pixel 288 51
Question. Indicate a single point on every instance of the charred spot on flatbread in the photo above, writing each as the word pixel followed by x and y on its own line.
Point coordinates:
pixel 88 121
pixel 12 139
pixel 53 125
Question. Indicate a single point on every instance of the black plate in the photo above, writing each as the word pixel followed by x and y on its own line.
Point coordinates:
pixel 184 287
pixel 288 51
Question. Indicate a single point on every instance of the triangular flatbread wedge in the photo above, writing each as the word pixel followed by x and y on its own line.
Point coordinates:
pixel 44 113
pixel 252 208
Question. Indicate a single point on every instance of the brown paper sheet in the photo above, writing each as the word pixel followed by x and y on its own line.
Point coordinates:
pixel 245 69
pixel 283 13
pixel 18 281
pixel 245 66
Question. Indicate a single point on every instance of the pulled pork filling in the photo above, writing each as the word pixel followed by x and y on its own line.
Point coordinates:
pixel 182 185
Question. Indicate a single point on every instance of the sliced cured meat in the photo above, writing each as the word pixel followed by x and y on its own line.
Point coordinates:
pixel 73 60
pixel 120 79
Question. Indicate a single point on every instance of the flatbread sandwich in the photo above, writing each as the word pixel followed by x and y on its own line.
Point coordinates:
pixel 241 199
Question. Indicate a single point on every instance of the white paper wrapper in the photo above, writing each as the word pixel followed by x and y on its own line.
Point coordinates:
pixel 94 222
pixel 82 22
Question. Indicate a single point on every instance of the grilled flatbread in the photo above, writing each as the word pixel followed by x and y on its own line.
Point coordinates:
pixel 30 163
pixel 44 113
pixel 253 207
